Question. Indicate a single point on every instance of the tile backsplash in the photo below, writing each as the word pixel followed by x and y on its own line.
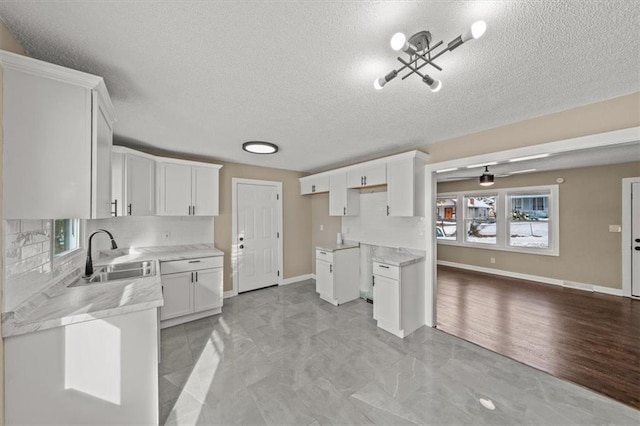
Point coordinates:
pixel 30 266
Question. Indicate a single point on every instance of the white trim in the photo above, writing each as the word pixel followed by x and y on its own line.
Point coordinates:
pixel 190 317
pixel 186 162
pixel 536 278
pixel 626 234
pixel 299 278
pixel 228 294
pixel 119 149
pixel 615 137
pixel 234 225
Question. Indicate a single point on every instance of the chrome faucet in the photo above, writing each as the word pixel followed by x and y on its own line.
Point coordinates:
pixel 88 267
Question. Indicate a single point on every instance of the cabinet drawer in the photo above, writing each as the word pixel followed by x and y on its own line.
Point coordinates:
pixel 191 265
pixel 324 255
pixel 388 271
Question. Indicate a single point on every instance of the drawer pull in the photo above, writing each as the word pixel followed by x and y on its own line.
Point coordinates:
pixel 384 266
pixel 323 252
pixel 195 261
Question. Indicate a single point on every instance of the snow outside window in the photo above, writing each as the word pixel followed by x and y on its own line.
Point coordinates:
pixel 66 236
pixel 523 219
pixel 446 218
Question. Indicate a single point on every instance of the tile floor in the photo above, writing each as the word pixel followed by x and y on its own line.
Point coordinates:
pixel 283 356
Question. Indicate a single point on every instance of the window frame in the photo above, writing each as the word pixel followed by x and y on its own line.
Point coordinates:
pixel 503 222
pixel 57 257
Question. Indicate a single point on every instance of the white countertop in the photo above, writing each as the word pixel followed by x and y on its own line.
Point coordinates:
pixel 333 247
pixel 396 257
pixel 62 305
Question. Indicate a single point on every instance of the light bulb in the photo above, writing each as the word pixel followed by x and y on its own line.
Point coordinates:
pixel 476 31
pixel 398 41
pixel 478 28
pixel 436 86
pixel 379 83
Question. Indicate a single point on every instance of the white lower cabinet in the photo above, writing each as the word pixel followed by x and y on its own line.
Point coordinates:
pixel 97 372
pixel 338 275
pixel 398 297
pixel 191 289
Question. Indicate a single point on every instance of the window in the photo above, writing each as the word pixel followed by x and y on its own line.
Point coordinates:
pixel 446 218
pixel 66 236
pixel 480 219
pixel 512 219
pixel 529 221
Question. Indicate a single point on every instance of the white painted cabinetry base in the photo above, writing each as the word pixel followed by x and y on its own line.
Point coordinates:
pixel 191 317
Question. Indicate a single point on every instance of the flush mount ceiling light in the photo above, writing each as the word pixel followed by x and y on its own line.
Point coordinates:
pixel 422 53
pixel 487 178
pixel 259 147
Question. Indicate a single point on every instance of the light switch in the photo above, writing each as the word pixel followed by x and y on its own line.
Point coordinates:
pixel 322 227
pixel 615 228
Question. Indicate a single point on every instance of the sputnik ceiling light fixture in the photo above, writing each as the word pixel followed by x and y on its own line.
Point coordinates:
pixel 421 53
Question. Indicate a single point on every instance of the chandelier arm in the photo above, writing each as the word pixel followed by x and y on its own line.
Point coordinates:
pixel 412 68
pixel 436 56
pixel 429 60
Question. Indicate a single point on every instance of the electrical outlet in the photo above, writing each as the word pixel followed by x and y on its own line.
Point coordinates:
pixel 166 235
pixel 322 227
pixel 615 228
pixel 493 260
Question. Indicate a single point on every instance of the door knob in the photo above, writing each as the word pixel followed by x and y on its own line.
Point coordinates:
pixel 241 246
pixel 241 238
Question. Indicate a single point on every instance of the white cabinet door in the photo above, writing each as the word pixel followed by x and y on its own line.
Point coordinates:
pixel 175 189
pixel 342 201
pixel 324 278
pixel 401 188
pixel 364 176
pixel 141 186
pixel 386 301
pixel 117 183
pixel 176 291
pixel 204 182
pixel 314 184
pixel 207 289
pixel 101 160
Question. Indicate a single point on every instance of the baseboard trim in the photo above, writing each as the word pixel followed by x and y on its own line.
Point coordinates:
pixel 297 279
pixel 536 278
pixel 228 294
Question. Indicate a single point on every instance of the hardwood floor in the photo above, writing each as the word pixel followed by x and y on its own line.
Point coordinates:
pixel 587 338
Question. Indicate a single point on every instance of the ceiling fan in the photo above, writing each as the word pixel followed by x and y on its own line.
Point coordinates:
pixel 485 179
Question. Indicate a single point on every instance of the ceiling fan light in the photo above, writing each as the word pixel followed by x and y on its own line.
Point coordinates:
pixel 486 180
pixel 259 147
pixel 379 83
pixel 436 86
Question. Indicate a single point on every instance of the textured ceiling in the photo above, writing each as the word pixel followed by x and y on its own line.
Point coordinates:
pixel 203 77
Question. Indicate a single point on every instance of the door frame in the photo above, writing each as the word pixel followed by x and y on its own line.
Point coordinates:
pixel 626 234
pixel 615 137
pixel 234 227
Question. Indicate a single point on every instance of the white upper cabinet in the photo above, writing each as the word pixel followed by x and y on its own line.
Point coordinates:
pixel 57 128
pixel 342 200
pixel 405 187
pixel 187 188
pixel 367 175
pixel 314 184
pixel 133 182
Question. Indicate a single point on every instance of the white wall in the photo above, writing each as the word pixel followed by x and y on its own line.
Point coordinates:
pixel 135 231
pixel 374 227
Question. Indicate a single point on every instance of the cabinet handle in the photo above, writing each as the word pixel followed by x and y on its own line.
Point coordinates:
pixel 196 277
pixel 194 210
pixel 192 277
pixel 384 266
pixel 344 211
pixel 313 188
pixel 189 210
pixel 114 213
pixel 387 210
pixel 365 180
pixel 331 268
pixel 373 281
pixel 195 261
pixel 361 180
pixel 129 209
pixel 323 252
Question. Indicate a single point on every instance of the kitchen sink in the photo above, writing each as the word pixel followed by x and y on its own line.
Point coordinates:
pixel 120 271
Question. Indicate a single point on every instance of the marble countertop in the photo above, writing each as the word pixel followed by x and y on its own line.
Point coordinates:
pixel 333 247
pixel 69 303
pixel 396 257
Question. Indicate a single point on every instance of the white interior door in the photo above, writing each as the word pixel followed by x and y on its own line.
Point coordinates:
pixel 257 235
pixel 635 239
